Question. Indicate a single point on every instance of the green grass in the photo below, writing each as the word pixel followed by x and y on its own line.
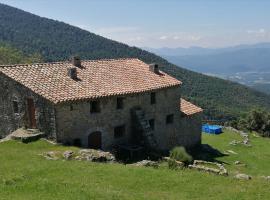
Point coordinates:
pixel 26 175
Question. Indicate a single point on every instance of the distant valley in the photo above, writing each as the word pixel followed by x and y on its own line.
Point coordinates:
pixel 245 64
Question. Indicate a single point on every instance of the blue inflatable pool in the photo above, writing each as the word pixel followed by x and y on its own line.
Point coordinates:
pixel 212 129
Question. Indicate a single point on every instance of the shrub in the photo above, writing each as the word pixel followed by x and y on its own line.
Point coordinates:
pixel 173 164
pixel 180 154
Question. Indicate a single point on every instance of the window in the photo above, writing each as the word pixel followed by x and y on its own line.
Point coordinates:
pixel 94 106
pixel 71 107
pixel 15 106
pixel 169 119
pixel 119 131
pixel 152 124
pixel 120 103
pixel 153 97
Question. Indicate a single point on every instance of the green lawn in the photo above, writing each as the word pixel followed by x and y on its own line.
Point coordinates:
pixel 26 175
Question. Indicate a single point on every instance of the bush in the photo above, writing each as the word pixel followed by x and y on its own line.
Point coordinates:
pixel 173 164
pixel 180 154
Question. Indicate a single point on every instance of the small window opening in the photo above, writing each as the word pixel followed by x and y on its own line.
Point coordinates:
pixel 152 124
pixel 15 106
pixel 71 107
pixel 119 131
pixel 169 119
pixel 153 97
pixel 120 103
pixel 95 107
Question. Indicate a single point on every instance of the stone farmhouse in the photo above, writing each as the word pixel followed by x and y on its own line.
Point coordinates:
pixel 98 104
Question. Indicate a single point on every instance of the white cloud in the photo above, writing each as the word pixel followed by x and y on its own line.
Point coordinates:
pixel 258 33
pixel 194 38
pixel 164 37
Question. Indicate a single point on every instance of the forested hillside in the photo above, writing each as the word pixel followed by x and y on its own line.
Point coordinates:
pixel 10 55
pixel 58 41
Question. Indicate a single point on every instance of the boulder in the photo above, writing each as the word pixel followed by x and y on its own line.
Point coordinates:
pixel 95 155
pixel 242 176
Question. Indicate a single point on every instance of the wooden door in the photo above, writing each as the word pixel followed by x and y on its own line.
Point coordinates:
pixel 31 113
pixel 94 140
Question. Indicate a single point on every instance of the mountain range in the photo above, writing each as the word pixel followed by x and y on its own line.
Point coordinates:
pixel 53 40
pixel 246 64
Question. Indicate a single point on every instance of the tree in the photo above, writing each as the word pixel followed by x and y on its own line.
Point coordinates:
pixel 255 120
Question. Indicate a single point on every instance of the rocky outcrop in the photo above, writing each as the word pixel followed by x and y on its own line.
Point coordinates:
pixel 205 166
pixel 95 155
pixel 82 155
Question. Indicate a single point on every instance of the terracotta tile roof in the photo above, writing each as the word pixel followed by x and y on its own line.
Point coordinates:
pixel 96 78
pixel 188 108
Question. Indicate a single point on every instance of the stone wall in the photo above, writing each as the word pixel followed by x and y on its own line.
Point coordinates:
pixel 74 120
pixel 9 121
pixel 191 129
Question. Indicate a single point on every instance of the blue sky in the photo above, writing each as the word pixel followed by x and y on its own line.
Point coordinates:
pixel 162 23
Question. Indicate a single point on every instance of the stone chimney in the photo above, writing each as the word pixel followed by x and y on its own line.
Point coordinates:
pixel 154 68
pixel 72 73
pixel 76 61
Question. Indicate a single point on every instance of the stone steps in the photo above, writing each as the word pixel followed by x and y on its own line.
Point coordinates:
pixel 148 133
pixel 27 135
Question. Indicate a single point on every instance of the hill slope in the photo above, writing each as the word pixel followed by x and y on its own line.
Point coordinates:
pixel 58 41
pixel 25 174
pixel 9 55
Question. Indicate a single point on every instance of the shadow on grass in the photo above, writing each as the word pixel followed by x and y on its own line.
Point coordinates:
pixel 207 153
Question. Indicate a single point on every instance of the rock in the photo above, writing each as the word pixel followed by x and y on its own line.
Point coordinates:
pixel 266 178
pixel 242 176
pixel 51 155
pixel 234 142
pixel 146 163
pixel 232 152
pixel 95 155
pixel 237 162
pixel 68 154
pixel 200 165
pixel 246 141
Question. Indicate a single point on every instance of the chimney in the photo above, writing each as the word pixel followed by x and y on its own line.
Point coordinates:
pixel 76 61
pixel 72 73
pixel 154 68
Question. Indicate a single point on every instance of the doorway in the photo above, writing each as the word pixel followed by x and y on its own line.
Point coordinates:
pixel 31 113
pixel 94 140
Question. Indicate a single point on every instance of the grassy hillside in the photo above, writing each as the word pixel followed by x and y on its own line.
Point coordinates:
pixel 58 41
pixel 24 174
